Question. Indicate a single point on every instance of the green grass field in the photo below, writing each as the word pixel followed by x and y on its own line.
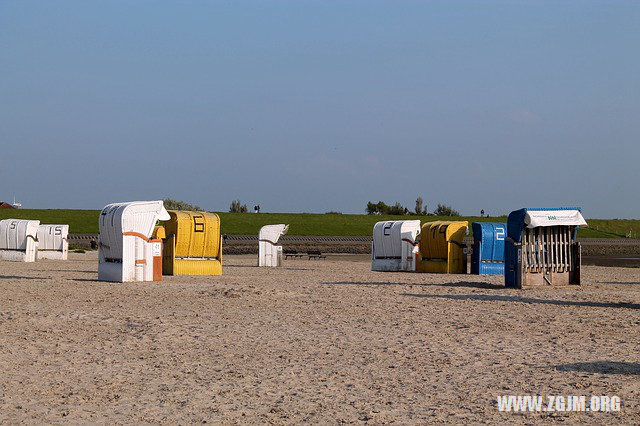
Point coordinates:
pixel 86 222
pixel 79 221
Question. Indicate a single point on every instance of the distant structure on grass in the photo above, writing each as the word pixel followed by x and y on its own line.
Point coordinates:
pixel 4 205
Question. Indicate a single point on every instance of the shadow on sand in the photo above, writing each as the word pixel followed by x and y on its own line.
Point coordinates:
pixel 603 367
pixel 483 285
pixel 15 277
pixel 279 268
pixel 500 298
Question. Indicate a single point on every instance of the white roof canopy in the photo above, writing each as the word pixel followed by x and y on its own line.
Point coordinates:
pixel 537 218
pixel 272 233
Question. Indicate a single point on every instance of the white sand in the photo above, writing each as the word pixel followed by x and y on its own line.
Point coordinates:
pixel 317 341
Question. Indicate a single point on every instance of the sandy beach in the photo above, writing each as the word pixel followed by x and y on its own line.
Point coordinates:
pixel 324 341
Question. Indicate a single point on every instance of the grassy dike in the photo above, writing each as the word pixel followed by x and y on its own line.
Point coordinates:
pixel 86 222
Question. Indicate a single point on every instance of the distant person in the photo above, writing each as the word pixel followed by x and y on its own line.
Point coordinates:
pixel 482 213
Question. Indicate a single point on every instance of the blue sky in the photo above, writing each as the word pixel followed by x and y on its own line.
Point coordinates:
pixel 312 106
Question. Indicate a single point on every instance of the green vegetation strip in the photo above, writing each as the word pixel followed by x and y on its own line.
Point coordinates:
pixel 79 221
pixel 86 222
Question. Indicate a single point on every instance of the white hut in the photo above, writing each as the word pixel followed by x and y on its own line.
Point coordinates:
pixel 541 247
pixel 394 245
pixel 126 251
pixel 18 239
pixel 269 254
pixel 52 242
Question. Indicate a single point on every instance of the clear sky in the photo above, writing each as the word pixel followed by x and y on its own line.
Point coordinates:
pixel 312 106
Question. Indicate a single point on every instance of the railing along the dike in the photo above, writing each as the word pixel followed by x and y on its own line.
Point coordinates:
pixel 346 240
